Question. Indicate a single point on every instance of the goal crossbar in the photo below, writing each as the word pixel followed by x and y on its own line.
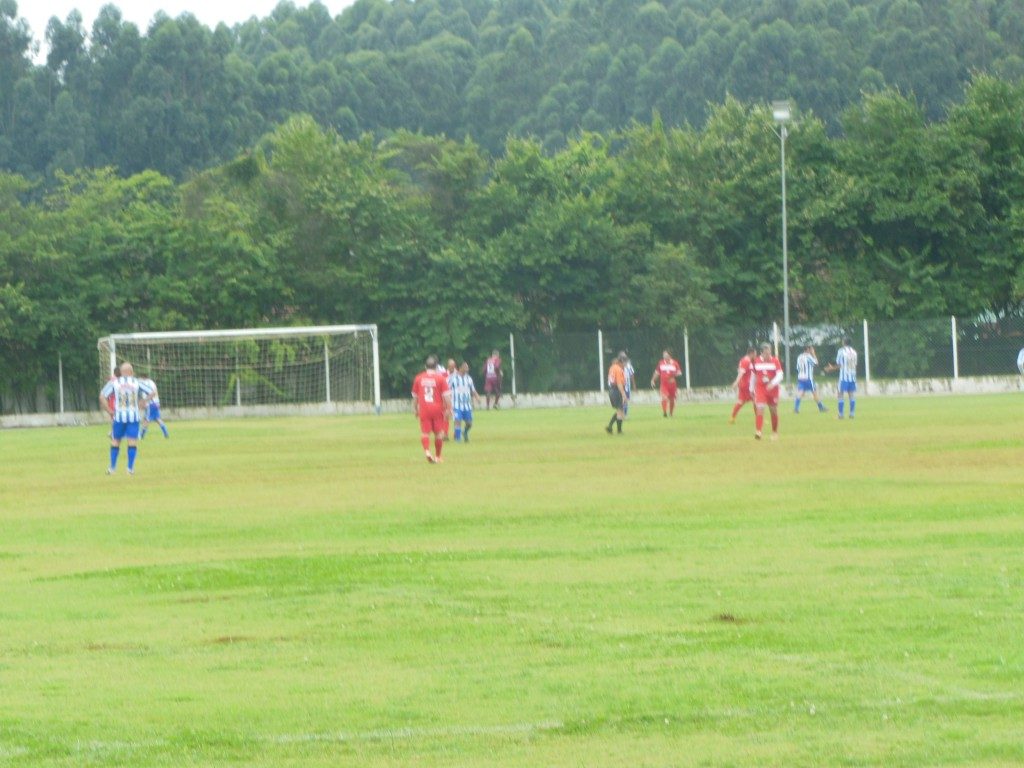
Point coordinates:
pixel 240 333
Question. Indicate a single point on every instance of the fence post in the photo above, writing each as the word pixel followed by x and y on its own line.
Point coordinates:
pixel 60 380
pixel 512 354
pixel 327 372
pixel 686 355
pixel 775 337
pixel 600 359
pixel 867 360
pixel 956 355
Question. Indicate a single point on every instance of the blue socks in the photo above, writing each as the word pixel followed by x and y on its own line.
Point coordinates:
pixel 132 450
pixel 114 449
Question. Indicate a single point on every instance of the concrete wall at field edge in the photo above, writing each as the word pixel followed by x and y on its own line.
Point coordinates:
pixel 977 385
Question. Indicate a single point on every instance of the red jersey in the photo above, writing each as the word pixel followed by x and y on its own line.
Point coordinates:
pixel 429 389
pixel 746 365
pixel 669 370
pixel 492 368
pixel 765 372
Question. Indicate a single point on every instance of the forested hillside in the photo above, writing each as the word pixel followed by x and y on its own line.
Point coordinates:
pixel 179 96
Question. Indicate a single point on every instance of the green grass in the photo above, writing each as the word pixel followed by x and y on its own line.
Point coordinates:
pixel 304 592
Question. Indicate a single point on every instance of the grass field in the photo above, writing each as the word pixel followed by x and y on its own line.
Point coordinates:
pixel 305 592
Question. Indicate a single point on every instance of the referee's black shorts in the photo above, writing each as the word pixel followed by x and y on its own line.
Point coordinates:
pixel 615 397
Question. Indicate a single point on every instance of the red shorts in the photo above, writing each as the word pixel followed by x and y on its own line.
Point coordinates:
pixel 743 395
pixel 492 386
pixel 769 397
pixel 432 422
pixel 669 390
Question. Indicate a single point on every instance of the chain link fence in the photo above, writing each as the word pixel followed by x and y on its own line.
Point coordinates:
pixel 892 350
pixel 889 350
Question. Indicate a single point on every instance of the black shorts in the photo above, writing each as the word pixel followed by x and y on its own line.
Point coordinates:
pixel 615 397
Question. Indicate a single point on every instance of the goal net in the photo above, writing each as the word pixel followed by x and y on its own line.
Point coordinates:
pixel 256 370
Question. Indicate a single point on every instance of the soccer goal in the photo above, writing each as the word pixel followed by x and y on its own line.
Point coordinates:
pixel 255 371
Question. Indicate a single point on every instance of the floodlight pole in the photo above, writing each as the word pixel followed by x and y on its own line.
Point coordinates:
pixel 781 113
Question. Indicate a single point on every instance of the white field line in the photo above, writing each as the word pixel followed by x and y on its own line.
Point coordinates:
pixel 393 734
pixel 945 693
pixel 98 746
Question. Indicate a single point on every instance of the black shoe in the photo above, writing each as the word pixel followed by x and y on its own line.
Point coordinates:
pixel 608 430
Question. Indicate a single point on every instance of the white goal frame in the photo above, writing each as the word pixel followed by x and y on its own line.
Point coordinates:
pixel 108 349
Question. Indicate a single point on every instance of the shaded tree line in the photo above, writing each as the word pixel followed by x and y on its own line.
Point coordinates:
pixel 448 248
pixel 180 97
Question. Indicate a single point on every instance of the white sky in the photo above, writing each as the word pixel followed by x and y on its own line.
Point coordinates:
pixel 141 12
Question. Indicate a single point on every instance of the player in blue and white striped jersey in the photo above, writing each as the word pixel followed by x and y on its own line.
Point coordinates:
pixel 846 364
pixel 806 362
pixel 464 395
pixel 126 409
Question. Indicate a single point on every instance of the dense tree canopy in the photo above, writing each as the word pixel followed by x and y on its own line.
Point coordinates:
pixel 180 97
pixel 653 227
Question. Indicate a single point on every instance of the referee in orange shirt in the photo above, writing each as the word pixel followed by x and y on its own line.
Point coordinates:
pixel 617 391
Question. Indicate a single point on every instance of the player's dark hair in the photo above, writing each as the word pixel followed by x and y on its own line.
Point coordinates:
pixel 846 341
pixel 431 361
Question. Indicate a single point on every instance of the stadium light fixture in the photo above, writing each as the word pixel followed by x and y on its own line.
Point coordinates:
pixel 782 114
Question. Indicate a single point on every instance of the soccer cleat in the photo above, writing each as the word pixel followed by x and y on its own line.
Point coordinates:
pixel 608 430
pixel 131 472
pixel 110 470
pixel 430 459
pixel 757 435
pixel 839 416
pixel 774 436
pixel 438 460
pixel 732 420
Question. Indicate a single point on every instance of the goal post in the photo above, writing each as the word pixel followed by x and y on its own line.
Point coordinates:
pixel 257 370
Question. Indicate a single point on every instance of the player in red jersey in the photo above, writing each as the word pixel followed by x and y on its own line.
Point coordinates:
pixel 432 401
pixel 742 383
pixel 765 387
pixel 493 376
pixel 668 369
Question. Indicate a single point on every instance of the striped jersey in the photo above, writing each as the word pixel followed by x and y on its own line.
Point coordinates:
pixel 630 374
pixel 805 364
pixel 155 396
pixel 126 391
pixel 846 359
pixel 1020 361
pixel 462 391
